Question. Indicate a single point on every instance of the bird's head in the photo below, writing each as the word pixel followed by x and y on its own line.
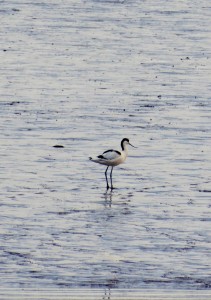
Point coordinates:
pixel 126 142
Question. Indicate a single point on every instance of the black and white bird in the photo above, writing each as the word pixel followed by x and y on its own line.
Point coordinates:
pixel 112 158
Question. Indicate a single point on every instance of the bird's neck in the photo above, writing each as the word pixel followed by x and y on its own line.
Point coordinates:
pixel 125 150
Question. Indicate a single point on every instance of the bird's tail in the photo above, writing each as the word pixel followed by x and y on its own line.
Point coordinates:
pixel 97 160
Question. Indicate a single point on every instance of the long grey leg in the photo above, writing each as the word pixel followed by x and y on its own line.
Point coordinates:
pixel 111 178
pixel 106 177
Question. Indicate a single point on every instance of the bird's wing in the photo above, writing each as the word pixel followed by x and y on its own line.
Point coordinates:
pixel 110 155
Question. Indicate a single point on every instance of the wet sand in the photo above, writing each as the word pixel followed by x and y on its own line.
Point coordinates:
pixel 84 75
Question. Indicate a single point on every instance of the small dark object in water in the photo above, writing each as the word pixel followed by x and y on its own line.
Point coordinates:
pixel 205 191
pixel 14 102
pixel 58 146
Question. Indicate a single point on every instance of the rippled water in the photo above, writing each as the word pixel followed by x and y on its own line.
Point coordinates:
pixel 84 75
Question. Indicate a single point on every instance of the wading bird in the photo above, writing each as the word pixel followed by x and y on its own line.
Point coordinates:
pixel 112 158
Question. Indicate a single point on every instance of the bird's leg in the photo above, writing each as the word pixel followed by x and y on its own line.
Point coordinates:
pixel 111 178
pixel 106 177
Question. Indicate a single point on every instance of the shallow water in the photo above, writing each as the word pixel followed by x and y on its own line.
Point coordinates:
pixel 85 74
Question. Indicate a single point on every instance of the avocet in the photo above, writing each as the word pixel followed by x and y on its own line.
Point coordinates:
pixel 112 158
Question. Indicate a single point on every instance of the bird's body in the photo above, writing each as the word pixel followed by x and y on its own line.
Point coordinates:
pixel 112 158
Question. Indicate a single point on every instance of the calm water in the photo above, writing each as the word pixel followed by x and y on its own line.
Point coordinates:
pixel 85 74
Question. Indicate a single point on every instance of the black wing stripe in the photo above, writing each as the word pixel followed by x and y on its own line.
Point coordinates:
pixel 101 156
pixel 111 150
pixel 108 151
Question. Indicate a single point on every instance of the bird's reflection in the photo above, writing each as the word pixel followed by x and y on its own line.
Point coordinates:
pixel 107 294
pixel 108 197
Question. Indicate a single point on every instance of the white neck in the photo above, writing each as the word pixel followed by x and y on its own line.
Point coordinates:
pixel 125 149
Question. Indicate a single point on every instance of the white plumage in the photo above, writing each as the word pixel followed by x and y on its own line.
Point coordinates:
pixel 112 158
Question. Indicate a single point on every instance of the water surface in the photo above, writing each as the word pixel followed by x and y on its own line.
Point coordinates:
pixel 84 75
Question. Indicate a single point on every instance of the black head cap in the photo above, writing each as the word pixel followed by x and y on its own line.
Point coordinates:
pixel 122 142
